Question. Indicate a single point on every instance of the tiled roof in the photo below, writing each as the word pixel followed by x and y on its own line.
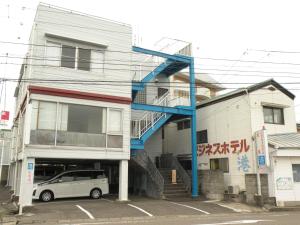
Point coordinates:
pixel 286 140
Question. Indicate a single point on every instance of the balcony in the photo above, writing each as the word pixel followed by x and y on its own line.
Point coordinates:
pixel 203 92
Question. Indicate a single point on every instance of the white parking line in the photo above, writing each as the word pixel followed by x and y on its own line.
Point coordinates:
pixel 144 211
pixel 234 209
pixel 187 206
pixel 86 212
pixel 210 201
pixel 235 222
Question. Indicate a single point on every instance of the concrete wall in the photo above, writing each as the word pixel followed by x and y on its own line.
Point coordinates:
pixel 140 183
pixel 211 184
pixel 251 187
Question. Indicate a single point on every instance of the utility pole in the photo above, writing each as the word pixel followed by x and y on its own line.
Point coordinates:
pixel 2 155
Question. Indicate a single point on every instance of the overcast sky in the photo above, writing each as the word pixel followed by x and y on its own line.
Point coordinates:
pixel 228 29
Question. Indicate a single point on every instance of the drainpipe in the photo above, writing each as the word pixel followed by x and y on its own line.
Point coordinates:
pixel 254 155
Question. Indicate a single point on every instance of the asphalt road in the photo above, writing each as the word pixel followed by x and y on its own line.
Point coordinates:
pixel 153 212
pixel 282 218
pixel 64 211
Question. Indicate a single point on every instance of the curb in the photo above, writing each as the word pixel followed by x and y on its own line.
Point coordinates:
pixel 283 209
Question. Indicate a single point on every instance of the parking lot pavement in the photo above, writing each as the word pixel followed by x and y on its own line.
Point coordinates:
pixel 138 207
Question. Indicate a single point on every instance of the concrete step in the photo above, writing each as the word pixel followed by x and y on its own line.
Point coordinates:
pixel 174 188
pixel 183 191
pixel 171 184
pixel 176 195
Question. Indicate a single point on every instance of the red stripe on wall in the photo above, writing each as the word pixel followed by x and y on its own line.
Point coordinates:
pixel 78 94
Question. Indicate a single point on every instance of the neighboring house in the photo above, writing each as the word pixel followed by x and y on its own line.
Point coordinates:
pixel 5 154
pixel 226 126
pixel 284 169
pixel 75 119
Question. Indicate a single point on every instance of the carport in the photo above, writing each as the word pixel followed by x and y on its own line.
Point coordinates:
pixel 47 168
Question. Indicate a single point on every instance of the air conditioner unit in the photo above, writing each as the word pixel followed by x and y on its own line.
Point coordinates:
pixel 234 189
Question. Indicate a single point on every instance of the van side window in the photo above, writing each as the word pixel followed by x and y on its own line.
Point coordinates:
pixel 67 177
pixel 98 175
pixel 84 175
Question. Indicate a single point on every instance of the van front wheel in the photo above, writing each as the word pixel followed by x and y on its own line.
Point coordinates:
pixel 46 196
pixel 96 193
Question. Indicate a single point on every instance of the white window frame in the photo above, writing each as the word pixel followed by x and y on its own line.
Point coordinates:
pixel 61 43
pixel 108 119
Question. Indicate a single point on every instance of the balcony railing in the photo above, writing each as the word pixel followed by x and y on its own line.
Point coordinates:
pixel 66 138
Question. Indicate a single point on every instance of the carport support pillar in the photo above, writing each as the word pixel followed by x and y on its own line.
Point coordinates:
pixel 26 184
pixel 123 180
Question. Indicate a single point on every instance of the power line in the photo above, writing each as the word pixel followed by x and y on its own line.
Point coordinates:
pixel 126 81
pixel 150 70
pixel 132 52
pixel 275 51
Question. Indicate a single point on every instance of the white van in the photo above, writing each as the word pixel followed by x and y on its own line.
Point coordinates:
pixel 75 183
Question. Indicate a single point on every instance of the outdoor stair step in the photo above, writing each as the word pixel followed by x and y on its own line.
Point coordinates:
pixel 175 191
pixel 177 195
pixel 174 186
pixel 170 183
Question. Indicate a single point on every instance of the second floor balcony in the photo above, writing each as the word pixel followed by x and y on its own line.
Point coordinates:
pixel 60 124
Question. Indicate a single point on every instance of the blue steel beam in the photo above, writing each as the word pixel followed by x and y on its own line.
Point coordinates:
pixel 193 132
pixel 155 127
pixel 181 110
pixel 180 58
pixel 157 71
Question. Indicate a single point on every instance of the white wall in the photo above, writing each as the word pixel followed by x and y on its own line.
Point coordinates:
pixel 228 121
pixel 283 170
pixel 117 39
pixel 276 98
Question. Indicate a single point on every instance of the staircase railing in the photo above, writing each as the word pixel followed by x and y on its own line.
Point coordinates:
pixel 170 161
pixel 149 119
pixel 142 159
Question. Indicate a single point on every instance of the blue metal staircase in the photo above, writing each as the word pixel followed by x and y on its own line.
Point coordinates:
pixel 163 110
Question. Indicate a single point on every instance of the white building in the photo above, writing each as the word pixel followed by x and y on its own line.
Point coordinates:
pixel 65 118
pixel 5 154
pixel 226 126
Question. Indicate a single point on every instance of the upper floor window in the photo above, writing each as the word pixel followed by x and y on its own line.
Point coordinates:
pixel 202 137
pixel 273 115
pixel 74 57
pixel 185 124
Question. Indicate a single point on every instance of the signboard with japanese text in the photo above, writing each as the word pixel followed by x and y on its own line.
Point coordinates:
pixel 235 150
pixel 232 147
pixel 261 145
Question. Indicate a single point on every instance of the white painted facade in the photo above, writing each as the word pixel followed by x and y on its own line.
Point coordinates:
pixel 234 120
pixel 44 121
